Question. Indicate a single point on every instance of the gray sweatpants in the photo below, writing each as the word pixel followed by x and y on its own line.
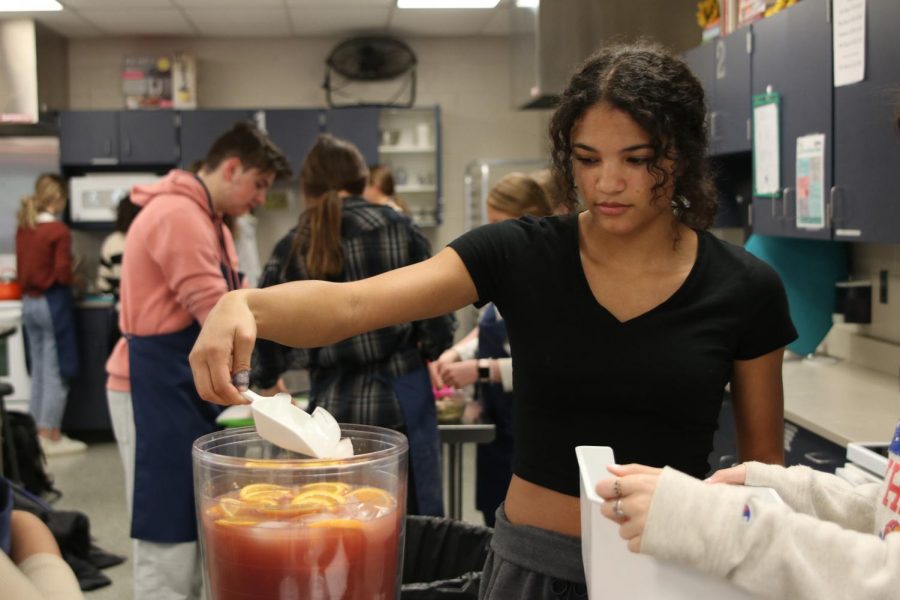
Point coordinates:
pixel 530 563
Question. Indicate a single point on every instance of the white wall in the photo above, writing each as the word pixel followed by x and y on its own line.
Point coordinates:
pixel 468 77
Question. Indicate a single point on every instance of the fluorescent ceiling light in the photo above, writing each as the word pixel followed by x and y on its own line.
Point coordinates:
pixel 447 3
pixel 528 3
pixel 29 5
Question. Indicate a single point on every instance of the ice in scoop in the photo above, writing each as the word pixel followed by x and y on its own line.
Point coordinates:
pixel 290 427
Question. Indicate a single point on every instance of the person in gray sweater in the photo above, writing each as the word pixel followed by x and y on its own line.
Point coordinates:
pixel 829 539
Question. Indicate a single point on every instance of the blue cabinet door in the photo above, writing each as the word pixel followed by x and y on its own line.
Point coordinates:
pixel 792 55
pixel 358 125
pixel 731 104
pixel 148 138
pixel 701 61
pixel 294 132
pixel 867 147
pixel 200 128
pixel 89 138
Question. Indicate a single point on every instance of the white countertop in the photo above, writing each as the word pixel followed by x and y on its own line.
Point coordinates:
pixel 841 402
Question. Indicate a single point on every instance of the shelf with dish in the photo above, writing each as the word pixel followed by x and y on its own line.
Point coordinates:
pixel 402 149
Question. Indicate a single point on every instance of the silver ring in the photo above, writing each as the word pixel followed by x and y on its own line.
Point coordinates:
pixel 617 508
pixel 241 379
pixel 617 488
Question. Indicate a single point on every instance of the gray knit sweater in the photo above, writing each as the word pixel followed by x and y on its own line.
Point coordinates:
pixel 829 540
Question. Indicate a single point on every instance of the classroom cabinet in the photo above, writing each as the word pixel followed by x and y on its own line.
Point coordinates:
pixel 407 140
pixel 792 57
pixel 803 447
pixel 866 194
pixel 294 131
pixel 723 68
pixel 108 138
pixel 358 125
pixel 729 125
pixel 791 53
pixel 200 128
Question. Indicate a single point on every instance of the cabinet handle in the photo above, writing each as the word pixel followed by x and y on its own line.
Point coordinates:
pixel 833 215
pixel 127 146
pixel 784 202
pixel 774 216
pixel 818 458
pixel 108 147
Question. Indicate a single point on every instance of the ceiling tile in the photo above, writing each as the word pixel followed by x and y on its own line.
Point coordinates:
pixel 337 21
pixel 66 23
pixel 78 4
pixel 240 22
pixel 341 3
pixel 498 22
pixel 140 21
pixel 440 22
pixel 229 4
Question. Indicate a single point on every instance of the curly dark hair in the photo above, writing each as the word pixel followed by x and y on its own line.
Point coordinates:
pixel 664 98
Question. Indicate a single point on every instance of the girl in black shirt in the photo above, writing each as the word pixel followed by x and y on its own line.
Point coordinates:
pixel 626 319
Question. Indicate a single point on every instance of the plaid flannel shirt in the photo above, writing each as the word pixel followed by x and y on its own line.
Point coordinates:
pixel 352 378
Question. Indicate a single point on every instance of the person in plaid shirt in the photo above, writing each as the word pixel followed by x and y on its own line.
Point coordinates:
pixel 375 378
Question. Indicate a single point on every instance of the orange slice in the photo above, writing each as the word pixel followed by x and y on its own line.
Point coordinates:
pixel 281 510
pixel 372 495
pixel 326 499
pixel 337 524
pixel 230 506
pixel 261 492
pixel 334 487
pixel 232 522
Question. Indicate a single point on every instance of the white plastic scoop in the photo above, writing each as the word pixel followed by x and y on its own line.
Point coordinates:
pixel 287 426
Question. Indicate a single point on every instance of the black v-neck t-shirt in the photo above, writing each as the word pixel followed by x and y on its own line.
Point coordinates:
pixel 650 387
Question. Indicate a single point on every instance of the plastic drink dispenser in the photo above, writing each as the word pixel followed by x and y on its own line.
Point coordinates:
pixel 275 525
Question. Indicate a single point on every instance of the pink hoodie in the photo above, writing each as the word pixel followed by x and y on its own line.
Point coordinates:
pixel 171 270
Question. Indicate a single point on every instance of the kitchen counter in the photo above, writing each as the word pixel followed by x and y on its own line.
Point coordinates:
pixel 841 402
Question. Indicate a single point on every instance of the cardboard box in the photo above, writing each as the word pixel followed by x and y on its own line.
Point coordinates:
pixel 184 81
pixel 147 82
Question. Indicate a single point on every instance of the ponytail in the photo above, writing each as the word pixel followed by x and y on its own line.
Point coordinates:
pixel 321 250
pixel 28 213
pixel 333 165
pixel 49 192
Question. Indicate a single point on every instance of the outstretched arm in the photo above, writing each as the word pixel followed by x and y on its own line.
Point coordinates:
pixel 308 314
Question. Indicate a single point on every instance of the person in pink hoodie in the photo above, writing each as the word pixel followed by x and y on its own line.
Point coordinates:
pixel 179 259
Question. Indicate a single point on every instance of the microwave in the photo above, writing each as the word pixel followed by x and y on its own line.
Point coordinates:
pixel 94 198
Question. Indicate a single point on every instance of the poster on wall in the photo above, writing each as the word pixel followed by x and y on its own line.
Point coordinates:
pixel 849 41
pixel 147 82
pixel 766 145
pixel 811 181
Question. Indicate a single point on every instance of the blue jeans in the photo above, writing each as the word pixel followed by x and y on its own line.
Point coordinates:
pixel 48 389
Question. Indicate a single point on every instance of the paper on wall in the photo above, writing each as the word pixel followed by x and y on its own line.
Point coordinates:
pixel 766 152
pixel 811 181
pixel 849 41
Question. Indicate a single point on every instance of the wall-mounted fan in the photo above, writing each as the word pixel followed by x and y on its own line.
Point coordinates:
pixel 371 71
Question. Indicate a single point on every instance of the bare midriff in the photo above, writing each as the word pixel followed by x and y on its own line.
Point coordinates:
pixel 531 504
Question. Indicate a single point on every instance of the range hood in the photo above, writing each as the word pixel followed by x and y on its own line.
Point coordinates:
pixel 33 76
pixel 549 41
